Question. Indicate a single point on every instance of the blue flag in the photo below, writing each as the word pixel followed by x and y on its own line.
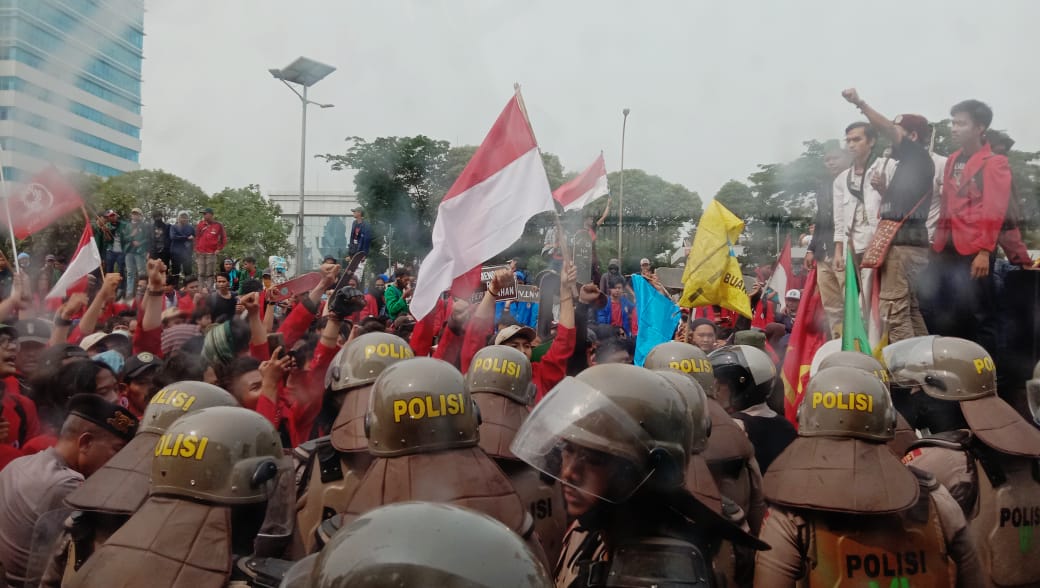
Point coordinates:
pixel 658 317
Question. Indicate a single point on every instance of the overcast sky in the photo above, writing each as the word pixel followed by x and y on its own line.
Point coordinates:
pixel 714 87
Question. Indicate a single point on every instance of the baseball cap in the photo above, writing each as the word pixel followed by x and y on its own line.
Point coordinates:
pixel 357 209
pixel 111 212
pixel 644 261
pixel 794 294
pixel 50 257
pixel 94 339
pixel 514 331
pixel 136 211
pixel 33 331
pixel 138 364
pixel 109 416
pixel 914 123
pixel 207 210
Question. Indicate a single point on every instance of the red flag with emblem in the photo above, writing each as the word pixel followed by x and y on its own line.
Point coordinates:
pixel 43 200
pixel 809 333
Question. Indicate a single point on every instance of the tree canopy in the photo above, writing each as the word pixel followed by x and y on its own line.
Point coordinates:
pixel 253 224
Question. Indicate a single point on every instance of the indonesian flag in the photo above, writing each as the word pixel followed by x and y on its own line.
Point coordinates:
pixel 485 211
pixel 588 186
pixel 776 288
pixel 86 260
pixel 45 199
pixel 809 333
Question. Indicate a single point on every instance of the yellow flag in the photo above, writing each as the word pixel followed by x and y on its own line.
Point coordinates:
pixel 712 274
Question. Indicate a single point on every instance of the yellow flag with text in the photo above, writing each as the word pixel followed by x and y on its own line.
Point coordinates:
pixel 712 274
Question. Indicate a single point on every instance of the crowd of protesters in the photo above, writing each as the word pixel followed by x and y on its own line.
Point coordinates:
pixel 166 311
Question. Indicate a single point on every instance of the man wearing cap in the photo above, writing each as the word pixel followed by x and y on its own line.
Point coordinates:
pixel 33 337
pixel 113 237
pixel 139 243
pixel 906 198
pixel 791 300
pixel 360 233
pixel 136 381
pixel 210 239
pixel 613 276
pixel 34 485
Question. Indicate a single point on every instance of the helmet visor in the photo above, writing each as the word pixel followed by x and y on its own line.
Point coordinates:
pixel 1033 397
pixel 910 360
pixel 582 438
pixel 281 511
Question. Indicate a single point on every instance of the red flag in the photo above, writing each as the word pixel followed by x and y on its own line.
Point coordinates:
pixel 485 211
pixel 86 260
pixel 589 185
pixel 809 333
pixel 45 199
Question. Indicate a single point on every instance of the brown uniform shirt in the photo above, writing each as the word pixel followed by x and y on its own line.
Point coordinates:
pixel 782 565
pixel 953 469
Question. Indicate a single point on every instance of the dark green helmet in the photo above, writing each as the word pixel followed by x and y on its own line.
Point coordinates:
pixel 364 358
pixel 685 358
pixel 847 402
pixel 220 455
pixel 858 360
pixel 418 406
pixel 420 544
pixel 177 399
pixel 501 370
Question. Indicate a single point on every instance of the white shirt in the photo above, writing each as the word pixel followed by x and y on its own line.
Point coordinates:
pixel 936 204
pixel 855 220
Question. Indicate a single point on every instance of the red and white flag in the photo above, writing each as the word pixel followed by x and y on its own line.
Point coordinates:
pixel 588 186
pixel 485 211
pixel 45 199
pixel 782 274
pixel 86 260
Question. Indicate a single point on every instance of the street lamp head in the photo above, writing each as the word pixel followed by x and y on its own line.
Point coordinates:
pixel 303 71
pixel 625 112
pixel 326 105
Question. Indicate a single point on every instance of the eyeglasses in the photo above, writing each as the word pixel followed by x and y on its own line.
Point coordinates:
pixel 8 341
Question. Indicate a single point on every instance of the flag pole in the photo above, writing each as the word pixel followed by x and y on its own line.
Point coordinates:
pixel 7 211
pixel 564 249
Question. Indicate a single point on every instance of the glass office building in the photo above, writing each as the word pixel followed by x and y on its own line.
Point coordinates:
pixel 70 85
pixel 326 220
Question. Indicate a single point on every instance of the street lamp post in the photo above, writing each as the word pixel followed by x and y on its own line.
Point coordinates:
pixel 621 192
pixel 305 73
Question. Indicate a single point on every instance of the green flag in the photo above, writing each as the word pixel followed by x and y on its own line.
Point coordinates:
pixel 853 333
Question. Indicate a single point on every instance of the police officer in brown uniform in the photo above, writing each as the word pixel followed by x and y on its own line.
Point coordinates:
pixel 330 467
pixel 220 485
pixel 422 428
pixel 845 512
pixel 617 436
pixel 425 544
pixel 730 455
pixel 109 497
pixel 905 435
pixel 499 380
pixel 979 447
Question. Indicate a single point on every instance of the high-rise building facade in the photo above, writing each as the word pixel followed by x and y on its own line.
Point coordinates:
pixel 70 85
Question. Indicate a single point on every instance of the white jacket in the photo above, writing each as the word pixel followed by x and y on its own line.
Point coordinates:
pixel 855 220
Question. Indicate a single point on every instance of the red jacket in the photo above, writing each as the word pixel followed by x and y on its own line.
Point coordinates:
pixel 546 373
pixel 973 215
pixel 20 414
pixel 209 237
